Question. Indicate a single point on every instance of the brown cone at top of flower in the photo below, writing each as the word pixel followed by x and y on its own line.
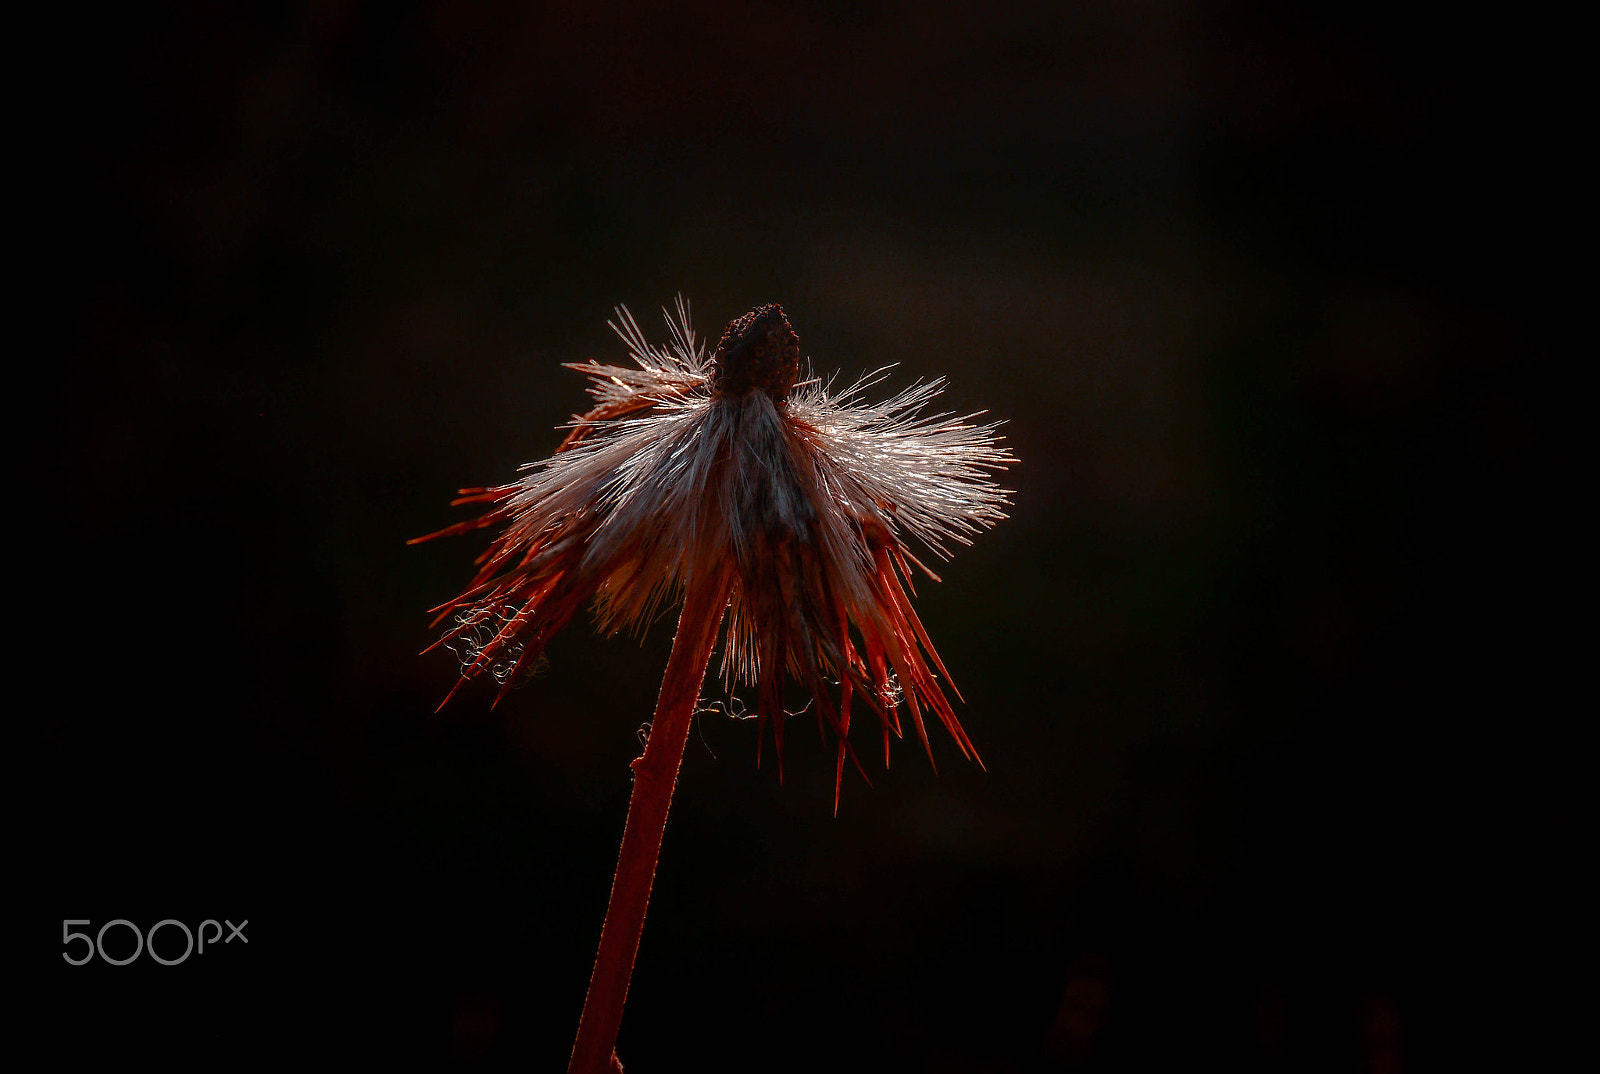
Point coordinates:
pixel 682 465
pixel 758 350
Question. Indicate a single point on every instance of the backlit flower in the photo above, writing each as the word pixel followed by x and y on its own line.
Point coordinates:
pixel 735 464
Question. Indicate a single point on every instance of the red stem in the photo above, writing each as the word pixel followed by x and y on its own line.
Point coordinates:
pixel 655 774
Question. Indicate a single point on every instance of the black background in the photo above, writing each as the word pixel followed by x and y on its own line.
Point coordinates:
pixel 1255 665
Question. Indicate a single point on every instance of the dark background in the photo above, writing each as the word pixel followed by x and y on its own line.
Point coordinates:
pixel 1254 665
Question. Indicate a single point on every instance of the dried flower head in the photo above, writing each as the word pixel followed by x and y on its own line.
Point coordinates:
pixel 727 467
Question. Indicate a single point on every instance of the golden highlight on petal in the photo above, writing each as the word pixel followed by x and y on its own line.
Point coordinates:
pixel 690 461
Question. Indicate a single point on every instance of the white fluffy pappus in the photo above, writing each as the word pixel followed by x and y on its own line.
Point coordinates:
pixel 701 464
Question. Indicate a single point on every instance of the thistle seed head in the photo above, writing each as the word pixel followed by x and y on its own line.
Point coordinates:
pixel 695 462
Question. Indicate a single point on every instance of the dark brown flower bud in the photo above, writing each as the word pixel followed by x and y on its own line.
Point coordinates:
pixel 758 350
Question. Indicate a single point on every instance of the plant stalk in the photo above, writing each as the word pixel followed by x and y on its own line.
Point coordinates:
pixel 655 775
